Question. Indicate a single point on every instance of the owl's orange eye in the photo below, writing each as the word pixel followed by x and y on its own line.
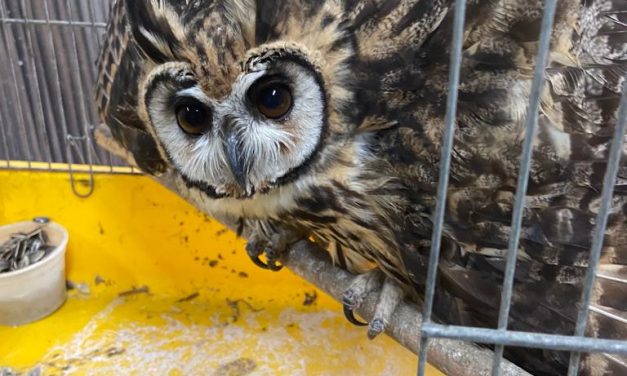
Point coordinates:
pixel 193 117
pixel 273 99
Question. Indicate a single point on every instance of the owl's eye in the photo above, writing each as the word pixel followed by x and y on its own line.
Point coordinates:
pixel 272 98
pixel 193 117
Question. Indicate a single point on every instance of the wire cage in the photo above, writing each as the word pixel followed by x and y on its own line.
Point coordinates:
pixel 47 113
pixel 47 117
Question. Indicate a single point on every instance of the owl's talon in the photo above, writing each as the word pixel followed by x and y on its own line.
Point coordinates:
pixel 254 250
pixel 260 263
pixel 274 265
pixel 274 257
pixel 390 296
pixel 350 316
pixel 375 327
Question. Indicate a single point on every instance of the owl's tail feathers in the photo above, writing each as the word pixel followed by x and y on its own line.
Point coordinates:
pixel 585 78
pixel 599 35
pixel 601 50
pixel 584 98
pixel 608 315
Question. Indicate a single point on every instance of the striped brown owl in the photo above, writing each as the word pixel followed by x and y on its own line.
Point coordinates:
pixel 324 120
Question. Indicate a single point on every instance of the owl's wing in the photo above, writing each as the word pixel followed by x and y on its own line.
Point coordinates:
pixel 578 116
pixel 120 67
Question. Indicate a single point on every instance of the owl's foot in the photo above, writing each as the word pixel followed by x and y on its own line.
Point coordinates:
pixel 258 246
pixel 389 298
pixel 273 246
pixel 359 288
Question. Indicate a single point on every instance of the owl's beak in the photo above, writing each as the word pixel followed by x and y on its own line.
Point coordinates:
pixel 237 162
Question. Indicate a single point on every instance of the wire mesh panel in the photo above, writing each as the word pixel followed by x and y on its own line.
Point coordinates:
pixel 501 336
pixel 46 81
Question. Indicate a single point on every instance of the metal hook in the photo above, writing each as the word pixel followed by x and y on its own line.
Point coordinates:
pixel 71 141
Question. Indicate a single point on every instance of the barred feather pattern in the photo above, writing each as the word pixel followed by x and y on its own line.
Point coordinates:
pixel 369 194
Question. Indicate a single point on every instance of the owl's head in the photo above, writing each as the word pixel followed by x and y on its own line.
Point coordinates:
pixel 243 96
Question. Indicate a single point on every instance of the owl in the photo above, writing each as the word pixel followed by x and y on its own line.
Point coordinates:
pixel 323 119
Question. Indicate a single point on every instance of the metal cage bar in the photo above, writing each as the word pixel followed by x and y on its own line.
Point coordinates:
pixel 71 139
pixel 525 339
pixel 54 22
pixel 39 100
pixel 57 74
pixel 531 126
pixel 4 138
pixel 94 29
pixel 445 163
pixel 21 122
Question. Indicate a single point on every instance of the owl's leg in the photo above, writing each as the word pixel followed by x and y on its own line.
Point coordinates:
pixel 271 241
pixel 359 288
pixel 389 298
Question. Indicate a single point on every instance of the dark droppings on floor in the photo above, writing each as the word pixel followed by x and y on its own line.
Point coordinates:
pixel 188 297
pixel 113 351
pixel 135 291
pixel 310 298
pixel 238 367
pixel 234 305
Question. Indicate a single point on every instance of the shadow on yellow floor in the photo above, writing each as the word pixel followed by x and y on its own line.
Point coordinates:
pixel 192 302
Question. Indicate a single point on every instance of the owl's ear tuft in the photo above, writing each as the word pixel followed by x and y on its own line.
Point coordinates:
pixel 151 23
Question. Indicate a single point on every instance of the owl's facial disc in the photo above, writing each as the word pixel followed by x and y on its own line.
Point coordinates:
pixel 260 136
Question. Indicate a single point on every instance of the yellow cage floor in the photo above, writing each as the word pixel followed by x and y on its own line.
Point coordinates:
pixel 164 290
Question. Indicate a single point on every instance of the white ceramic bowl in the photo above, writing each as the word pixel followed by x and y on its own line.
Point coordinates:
pixel 32 293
